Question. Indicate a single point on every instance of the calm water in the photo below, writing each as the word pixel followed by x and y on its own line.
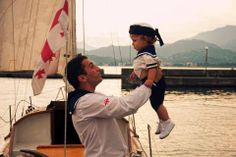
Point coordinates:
pixel 205 119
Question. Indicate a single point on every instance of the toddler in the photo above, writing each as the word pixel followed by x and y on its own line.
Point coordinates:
pixel 147 68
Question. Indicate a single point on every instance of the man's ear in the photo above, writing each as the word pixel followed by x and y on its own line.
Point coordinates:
pixel 82 78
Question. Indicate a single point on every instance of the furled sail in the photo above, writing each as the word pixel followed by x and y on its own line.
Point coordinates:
pixel 24 27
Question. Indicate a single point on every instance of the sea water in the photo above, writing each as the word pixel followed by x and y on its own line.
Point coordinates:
pixel 205 118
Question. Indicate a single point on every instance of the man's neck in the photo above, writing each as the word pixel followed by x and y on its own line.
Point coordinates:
pixel 87 88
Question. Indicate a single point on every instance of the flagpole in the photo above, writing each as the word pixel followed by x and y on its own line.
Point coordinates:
pixel 83 52
pixel 66 90
pixel 67 55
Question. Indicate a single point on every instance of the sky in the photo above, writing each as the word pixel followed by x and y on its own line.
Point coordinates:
pixel 107 21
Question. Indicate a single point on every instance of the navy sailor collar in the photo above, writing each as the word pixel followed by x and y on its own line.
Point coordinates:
pixel 149 50
pixel 73 97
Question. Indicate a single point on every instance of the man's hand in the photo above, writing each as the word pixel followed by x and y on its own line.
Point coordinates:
pixel 148 83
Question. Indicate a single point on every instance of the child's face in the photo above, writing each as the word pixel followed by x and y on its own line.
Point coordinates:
pixel 138 42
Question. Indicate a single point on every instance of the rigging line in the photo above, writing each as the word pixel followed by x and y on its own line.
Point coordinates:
pixel 72 24
pixel 18 104
pixel 144 151
pixel 14 53
pixel 60 91
pixel 83 24
pixel 5 121
pixel 27 34
pixel 4 113
pixel 48 24
pixel 144 139
pixel 67 55
pixel 155 144
pixel 34 32
pixel 132 122
pixel 33 37
pixel 25 42
pixel 132 119
pixel 22 55
pixel 6 10
pixel 16 88
pixel 66 88
pixel 1 117
pixel 16 85
pixel 120 51
pixel 130 61
pixel 113 50
pixel 32 43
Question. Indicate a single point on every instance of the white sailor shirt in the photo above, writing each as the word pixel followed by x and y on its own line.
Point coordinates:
pixel 94 120
pixel 145 59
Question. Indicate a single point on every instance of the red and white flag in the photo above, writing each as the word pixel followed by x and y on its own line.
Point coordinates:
pixel 56 39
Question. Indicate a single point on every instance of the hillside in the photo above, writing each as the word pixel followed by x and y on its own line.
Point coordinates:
pixel 194 52
pixel 87 47
pixel 180 53
pixel 118 55
pixel 221 45
pixel 224 37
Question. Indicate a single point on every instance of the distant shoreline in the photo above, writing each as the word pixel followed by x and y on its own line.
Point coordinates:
pixel 175 76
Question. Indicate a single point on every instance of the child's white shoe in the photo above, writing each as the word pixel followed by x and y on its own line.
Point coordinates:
pixel 167 127
pixel 158 131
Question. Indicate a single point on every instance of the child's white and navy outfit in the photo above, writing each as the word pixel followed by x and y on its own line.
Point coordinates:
pixel 147 59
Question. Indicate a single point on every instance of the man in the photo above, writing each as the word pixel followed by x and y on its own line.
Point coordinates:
pixel 94 114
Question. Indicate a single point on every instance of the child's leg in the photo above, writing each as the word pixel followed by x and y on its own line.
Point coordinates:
pixel 157 98
pixel 165 125
pixel 162 113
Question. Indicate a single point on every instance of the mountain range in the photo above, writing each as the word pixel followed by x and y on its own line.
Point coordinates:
pixel 217 46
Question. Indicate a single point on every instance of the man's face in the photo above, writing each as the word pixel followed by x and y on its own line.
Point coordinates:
pixel 93 73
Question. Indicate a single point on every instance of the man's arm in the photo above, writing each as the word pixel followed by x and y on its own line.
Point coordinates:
pixel 101 106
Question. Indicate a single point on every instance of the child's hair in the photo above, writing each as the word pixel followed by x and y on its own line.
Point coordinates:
pixel 150 40
pixel 150 35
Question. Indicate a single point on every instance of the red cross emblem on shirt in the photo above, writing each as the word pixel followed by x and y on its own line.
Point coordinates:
pixel 106 101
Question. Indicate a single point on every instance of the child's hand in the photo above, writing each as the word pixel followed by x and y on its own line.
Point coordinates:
pixel 132 76
pixel 148 83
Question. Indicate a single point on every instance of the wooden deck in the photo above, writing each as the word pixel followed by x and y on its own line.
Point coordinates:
pixel 72 150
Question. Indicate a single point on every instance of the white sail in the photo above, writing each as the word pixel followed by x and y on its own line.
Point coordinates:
pixel 24 27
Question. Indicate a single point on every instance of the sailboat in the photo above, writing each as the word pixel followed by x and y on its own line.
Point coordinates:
pixel 42 133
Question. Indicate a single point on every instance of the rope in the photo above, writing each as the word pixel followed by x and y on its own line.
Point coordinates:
pixel 6 10
pixel 143 131
pixel 14 51
pixel 5 121
pixel 27 35
pixel 33 38
pixel 120 50
pixel 131 121
pixel 28 102
pixel 113 50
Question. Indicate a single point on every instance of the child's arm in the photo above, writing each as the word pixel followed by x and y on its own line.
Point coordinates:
pixel 151 77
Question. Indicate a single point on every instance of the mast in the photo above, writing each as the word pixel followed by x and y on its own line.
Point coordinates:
pixel 83 52
pixel 114 55
pixel 120 51
pixel 69 53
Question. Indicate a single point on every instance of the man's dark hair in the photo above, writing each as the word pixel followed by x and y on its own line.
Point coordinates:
pixel 74 68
